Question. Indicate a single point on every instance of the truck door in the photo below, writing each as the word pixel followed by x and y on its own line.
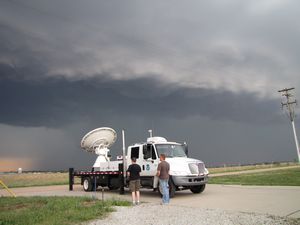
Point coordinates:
pixel 149 160
pixel 136 152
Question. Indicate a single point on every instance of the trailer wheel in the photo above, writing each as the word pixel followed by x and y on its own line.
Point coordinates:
pixel 172 189
pixel 87 184
pixel 197 189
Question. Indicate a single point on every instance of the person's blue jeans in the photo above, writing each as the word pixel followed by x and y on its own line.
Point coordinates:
pixel 165 190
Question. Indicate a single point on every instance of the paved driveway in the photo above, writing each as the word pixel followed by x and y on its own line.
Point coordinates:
pixel 280 201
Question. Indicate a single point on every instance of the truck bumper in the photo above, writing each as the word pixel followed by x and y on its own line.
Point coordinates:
pixel 190 180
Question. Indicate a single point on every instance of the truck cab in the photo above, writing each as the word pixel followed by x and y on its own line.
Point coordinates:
pixel 185 173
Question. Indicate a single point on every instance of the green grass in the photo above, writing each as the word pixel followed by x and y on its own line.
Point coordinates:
pixel 35 179
pixel 226 169
pixel 287 177
pixel 53 210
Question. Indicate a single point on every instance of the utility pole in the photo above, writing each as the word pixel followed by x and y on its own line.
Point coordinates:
pixel 289 106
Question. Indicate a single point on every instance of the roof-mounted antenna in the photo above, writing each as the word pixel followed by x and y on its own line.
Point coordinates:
pixel 150 133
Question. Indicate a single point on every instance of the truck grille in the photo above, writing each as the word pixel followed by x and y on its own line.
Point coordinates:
pixel 197 168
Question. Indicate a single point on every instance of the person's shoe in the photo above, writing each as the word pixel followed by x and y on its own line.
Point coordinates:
pixel 154 189
pixel 133 204
pixel 137 203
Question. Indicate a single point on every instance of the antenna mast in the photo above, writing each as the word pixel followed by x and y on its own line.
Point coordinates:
pixel 289 106
pixel 150 133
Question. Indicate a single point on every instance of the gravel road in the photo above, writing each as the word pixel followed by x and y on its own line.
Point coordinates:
pixel 155 214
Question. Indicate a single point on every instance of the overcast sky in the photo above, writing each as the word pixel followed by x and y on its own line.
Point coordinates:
pixel 205 72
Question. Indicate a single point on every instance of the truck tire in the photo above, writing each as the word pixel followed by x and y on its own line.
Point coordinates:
pixel 87 184
pixel 172 189
pixel 197 189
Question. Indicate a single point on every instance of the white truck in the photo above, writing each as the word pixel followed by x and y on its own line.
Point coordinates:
pixel 185 173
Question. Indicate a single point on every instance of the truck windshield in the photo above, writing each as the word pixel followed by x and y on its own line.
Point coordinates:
pixel 170 150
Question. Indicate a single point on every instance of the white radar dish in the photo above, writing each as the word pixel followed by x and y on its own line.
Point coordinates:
pixel 100 138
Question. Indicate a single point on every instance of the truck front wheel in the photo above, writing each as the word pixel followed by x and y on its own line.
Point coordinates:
pixel 87 184
pixel 197 189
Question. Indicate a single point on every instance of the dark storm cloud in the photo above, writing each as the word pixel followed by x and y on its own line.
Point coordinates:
pixel 248 46
pixel 202 71
pixel 57 102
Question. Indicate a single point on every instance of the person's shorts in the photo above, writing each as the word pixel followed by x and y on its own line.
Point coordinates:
pixel 134 185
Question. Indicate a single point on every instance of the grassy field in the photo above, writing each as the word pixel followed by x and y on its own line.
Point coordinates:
pixel 287 177
pixel 35 179
pixel 40 210
pixel 226 169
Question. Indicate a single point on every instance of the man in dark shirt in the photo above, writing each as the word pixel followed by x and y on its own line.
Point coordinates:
pixel 163 174
pixel 133 173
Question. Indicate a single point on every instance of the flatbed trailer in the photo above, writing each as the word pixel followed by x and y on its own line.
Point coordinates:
pixel 91 180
